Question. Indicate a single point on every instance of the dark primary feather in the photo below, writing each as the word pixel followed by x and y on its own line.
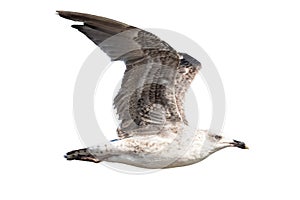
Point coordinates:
pixel 118 40
pixel 155 80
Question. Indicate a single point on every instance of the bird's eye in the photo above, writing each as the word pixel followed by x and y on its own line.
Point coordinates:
pixel 218 137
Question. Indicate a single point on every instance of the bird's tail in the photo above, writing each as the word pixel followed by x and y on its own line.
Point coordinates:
pixel 82 154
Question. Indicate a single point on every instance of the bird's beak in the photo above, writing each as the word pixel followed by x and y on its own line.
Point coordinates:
pixel 239 144
pixel 228 142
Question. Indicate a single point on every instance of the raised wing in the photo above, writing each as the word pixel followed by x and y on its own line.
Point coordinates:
pixel 155 80
pixel 118 40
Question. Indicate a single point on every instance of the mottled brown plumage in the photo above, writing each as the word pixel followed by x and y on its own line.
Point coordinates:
pixel 156 77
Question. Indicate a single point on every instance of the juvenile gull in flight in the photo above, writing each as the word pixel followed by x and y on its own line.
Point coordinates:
pixel 153 132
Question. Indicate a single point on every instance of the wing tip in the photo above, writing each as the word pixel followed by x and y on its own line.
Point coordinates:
pixel 62 13
pixel 74 16
pixel 66 14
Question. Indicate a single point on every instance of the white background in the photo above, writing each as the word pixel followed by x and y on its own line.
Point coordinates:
pixel 255 46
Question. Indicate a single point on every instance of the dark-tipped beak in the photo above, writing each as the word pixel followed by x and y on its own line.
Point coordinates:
pixel 239 144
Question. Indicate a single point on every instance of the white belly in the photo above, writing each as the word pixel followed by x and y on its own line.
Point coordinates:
pixel 157 152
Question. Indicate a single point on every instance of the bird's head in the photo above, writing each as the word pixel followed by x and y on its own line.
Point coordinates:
pixel 216 142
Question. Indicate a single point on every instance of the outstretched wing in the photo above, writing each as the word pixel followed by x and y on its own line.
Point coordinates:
pixel 118 40
pixel 156 76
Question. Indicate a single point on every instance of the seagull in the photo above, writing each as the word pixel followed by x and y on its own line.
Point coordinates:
pixel 153 132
